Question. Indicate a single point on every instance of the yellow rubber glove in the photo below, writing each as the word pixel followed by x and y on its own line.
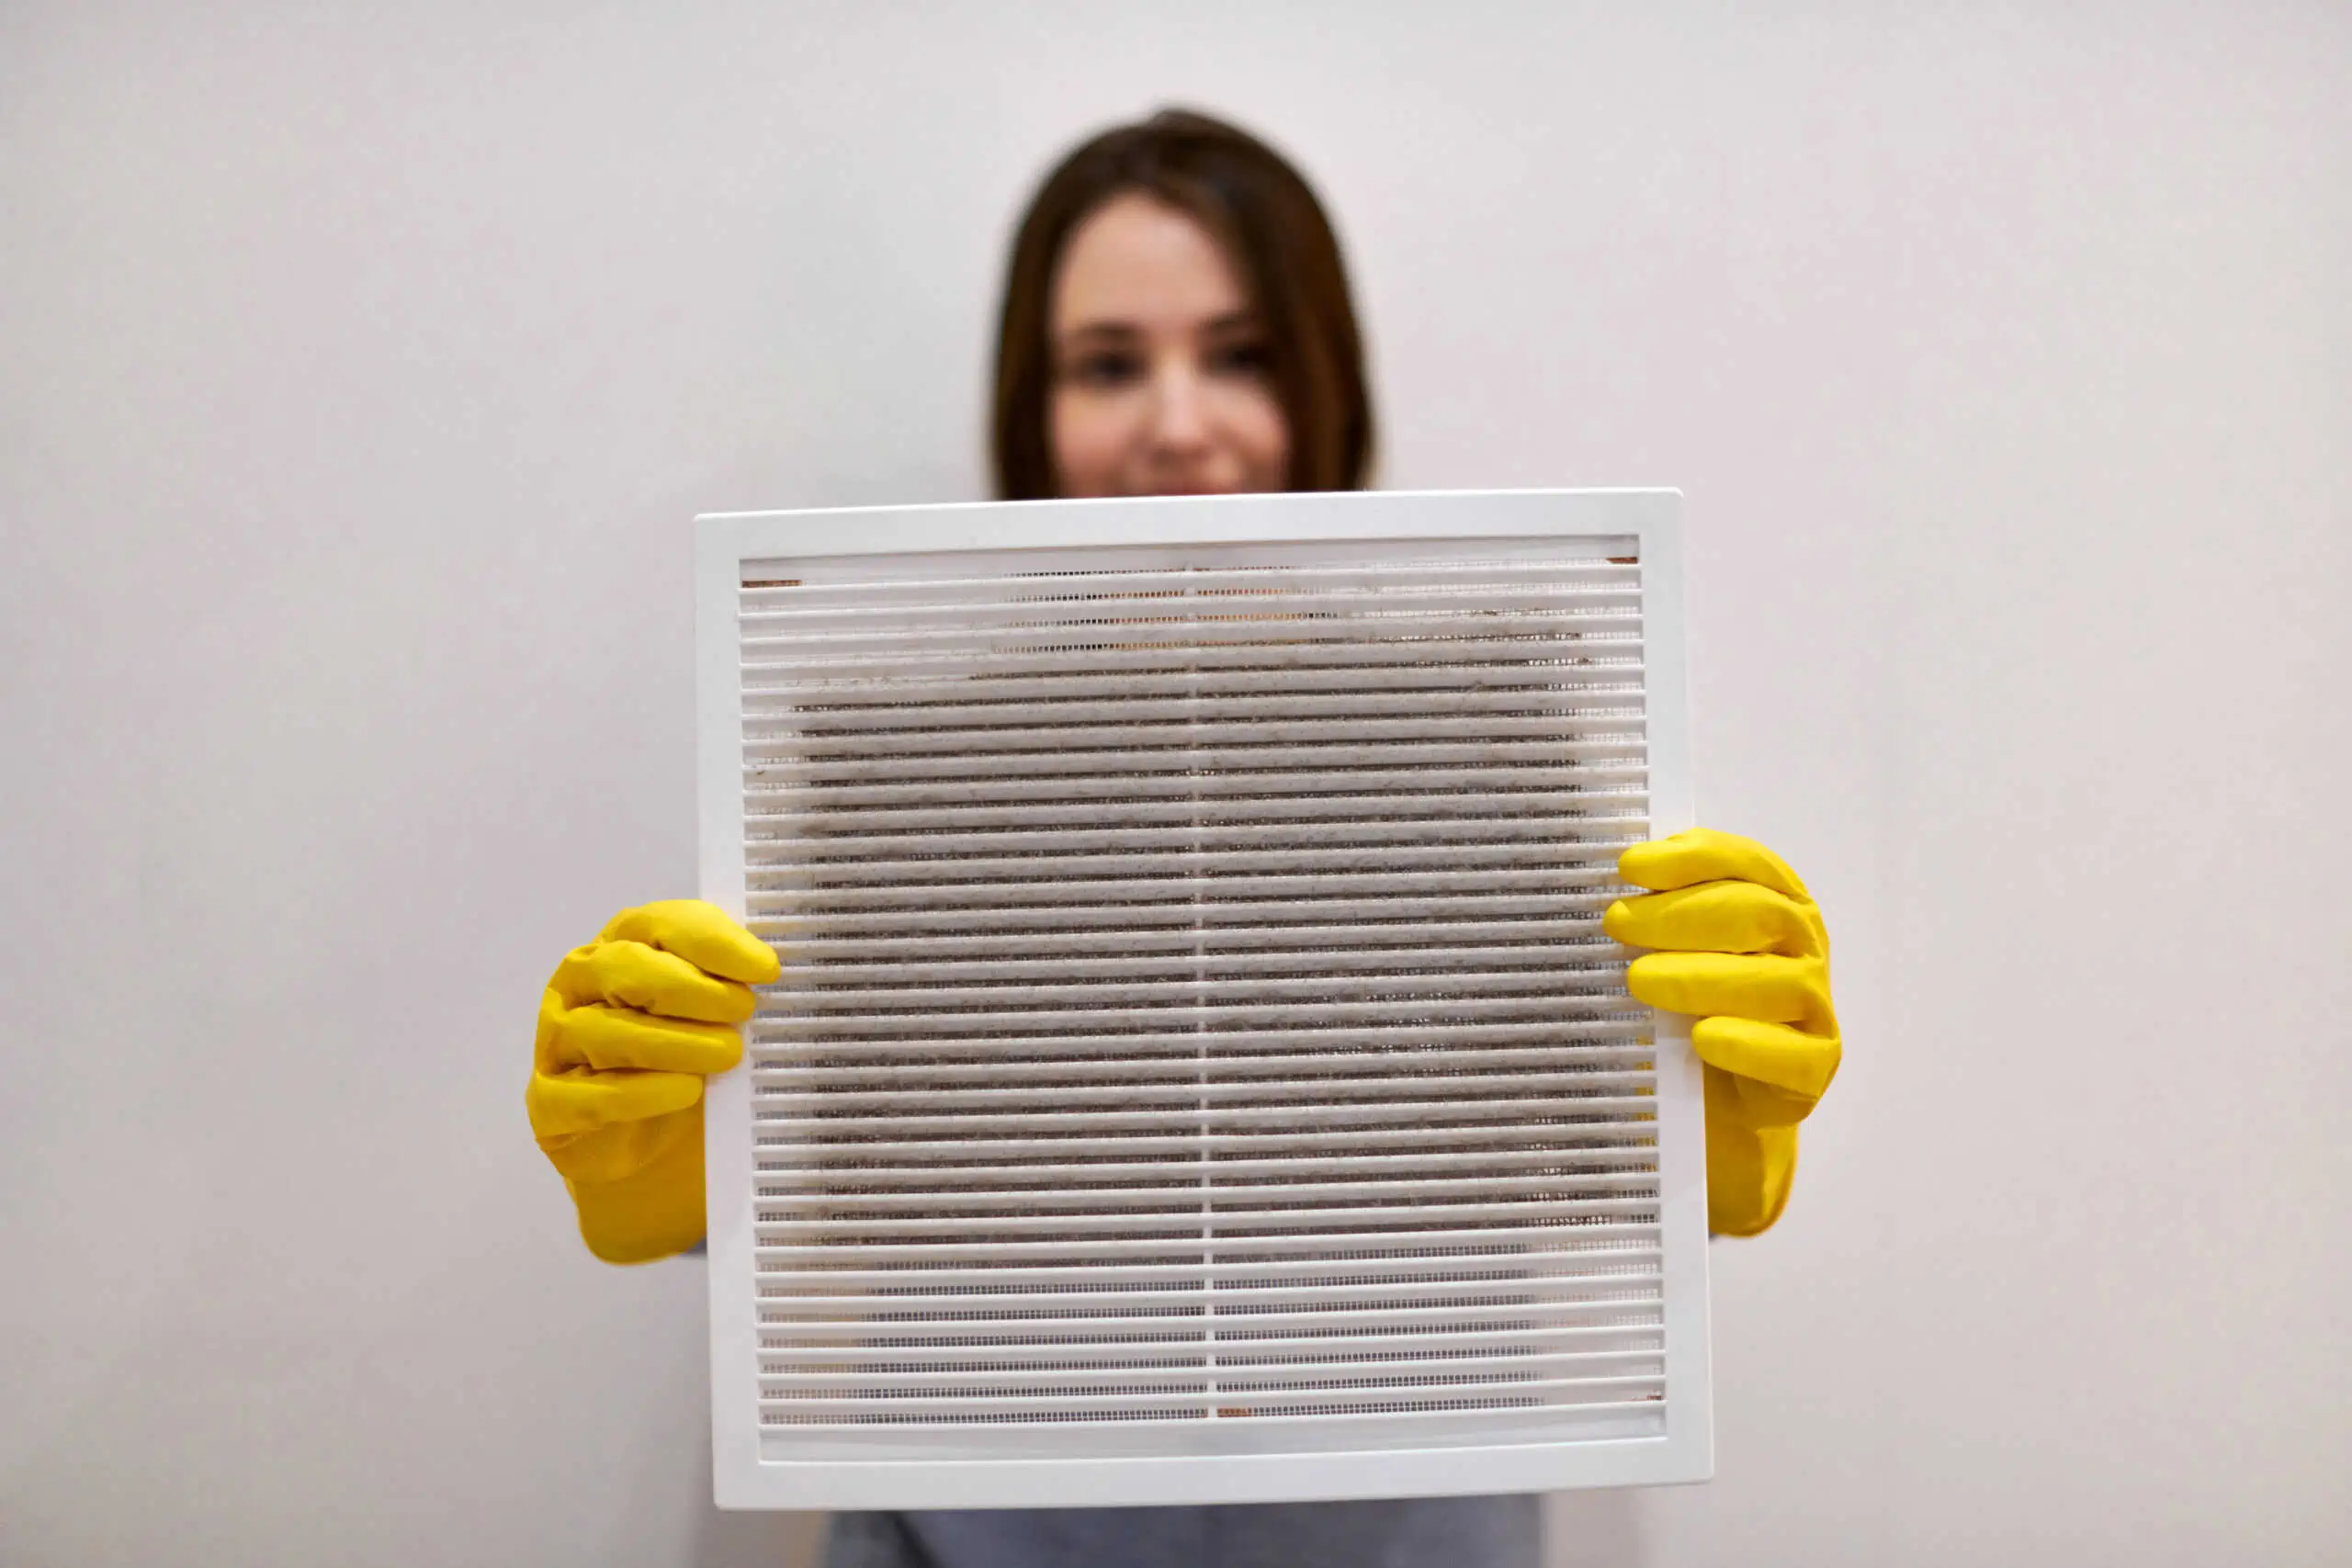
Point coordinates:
pixel 1741 947
pixel 629 1027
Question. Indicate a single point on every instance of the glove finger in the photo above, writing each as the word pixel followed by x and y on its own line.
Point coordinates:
pixel 563 1105
pixel 1701 854
pixel 1716 917
pixel 1790 1068
pixel 607 1037
pixel 1768 988
pixel 633 974
pixel 703 934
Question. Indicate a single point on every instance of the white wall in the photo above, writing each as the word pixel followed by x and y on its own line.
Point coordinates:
pixel 363 364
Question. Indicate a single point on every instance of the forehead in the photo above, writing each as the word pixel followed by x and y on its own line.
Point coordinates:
pixel 1138 261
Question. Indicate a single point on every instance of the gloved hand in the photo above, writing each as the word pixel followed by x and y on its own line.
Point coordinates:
pixel 1741 947
pixel 629 1027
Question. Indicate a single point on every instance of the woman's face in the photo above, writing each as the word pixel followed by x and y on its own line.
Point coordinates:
pixel 1159 363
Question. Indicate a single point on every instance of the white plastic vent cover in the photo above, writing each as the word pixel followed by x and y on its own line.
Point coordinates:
pixel 1198 1074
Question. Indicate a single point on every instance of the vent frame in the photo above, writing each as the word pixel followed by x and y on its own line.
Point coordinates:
pixel 1219 1461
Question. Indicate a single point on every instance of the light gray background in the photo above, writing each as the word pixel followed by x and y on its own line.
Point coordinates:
pixel 362 364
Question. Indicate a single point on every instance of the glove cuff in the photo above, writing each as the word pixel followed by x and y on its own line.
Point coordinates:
pixel 653 1212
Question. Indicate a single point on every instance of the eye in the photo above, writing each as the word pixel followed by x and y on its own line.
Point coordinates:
pixel 1242 357
pixel 1103 367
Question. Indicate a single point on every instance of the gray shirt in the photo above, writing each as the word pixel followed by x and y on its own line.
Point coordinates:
pixel 1415 1532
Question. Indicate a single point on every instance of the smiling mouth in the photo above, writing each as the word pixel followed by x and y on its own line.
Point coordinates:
pixel 1192 484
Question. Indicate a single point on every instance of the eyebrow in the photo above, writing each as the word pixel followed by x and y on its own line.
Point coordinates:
pixel 1232 320
pixel 1102 329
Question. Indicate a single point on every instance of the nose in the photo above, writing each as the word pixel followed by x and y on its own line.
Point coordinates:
pixel 1180 424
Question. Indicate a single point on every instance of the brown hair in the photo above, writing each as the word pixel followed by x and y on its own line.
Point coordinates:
pixel 1265 215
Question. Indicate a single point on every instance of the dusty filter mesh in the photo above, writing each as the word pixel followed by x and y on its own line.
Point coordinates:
pixel 1194 1004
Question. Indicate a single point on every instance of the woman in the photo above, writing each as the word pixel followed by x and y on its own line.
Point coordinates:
pixel 1176 321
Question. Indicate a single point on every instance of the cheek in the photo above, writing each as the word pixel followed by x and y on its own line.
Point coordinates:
pixel 1088 437
pixel 1252 421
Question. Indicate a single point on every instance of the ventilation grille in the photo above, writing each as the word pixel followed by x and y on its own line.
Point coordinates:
pixel 1194 1004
